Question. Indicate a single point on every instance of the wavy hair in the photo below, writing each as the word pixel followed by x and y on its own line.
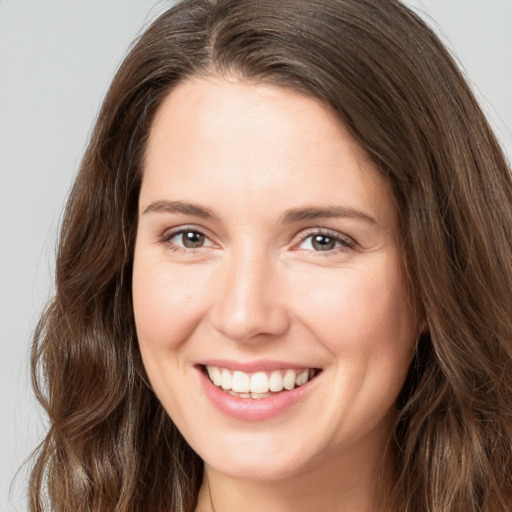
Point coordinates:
pixel 376 65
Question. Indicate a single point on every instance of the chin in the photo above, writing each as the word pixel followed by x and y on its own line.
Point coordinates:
pixel 258 457
pixel 273 469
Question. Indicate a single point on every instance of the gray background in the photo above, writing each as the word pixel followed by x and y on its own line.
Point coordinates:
pixel 56 60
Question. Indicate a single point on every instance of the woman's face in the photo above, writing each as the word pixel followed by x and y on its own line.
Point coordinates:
pixel 267 256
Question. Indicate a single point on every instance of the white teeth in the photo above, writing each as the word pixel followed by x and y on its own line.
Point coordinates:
pixel 302 377
pixel 276 381
pixel 240 382
pixel 225 379
pixel 259 384
pixel 240 395
pixel 289 379
pixel 214 374
pixel 257 396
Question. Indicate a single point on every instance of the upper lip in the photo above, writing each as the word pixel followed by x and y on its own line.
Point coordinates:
pixel 254 366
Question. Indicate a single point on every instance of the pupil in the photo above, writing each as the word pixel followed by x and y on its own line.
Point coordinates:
pixel 323 243
pixel 193 239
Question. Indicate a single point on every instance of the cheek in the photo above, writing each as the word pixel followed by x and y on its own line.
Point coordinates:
pixel 166 309
pixel 363 318
pixel 167 302
pixel 367 304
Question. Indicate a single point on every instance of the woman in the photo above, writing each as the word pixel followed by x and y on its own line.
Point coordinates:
pixel 284 275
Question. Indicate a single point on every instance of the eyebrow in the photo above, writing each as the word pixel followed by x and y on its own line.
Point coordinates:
pixel 289 217
pixel 302 214
pixel 179 207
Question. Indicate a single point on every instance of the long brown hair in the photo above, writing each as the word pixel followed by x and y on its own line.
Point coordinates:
pixel 110 445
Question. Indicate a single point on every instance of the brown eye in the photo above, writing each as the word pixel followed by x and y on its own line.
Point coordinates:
pixel 326 242
pixel 323 243
pixel 192 239
pixel 184 239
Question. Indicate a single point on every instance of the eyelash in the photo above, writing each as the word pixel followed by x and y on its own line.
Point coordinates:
pixel 345 242
pixel 169 235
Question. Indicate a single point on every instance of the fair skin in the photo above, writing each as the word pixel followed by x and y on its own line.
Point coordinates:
pixel 267 244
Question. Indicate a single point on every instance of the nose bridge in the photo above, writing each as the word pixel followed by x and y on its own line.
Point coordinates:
pixel 248 303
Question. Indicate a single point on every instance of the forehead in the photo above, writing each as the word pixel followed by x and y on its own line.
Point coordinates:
pixel 229 136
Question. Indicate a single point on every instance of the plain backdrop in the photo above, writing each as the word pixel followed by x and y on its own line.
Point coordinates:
pixel 56 60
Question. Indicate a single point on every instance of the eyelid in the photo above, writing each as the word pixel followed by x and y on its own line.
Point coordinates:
pixel 170 233
pixel 346 241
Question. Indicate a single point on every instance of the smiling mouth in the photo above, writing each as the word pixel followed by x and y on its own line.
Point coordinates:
pixel 259 384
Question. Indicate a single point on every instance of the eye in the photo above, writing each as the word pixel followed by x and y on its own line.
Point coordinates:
pixel 187 239
pixel 320 241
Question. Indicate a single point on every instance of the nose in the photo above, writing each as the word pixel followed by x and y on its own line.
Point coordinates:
pixel 250 303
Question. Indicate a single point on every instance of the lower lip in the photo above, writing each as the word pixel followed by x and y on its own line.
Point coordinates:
pixel 251 409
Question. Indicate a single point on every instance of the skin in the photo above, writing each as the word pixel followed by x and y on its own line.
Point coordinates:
pixel 259 289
